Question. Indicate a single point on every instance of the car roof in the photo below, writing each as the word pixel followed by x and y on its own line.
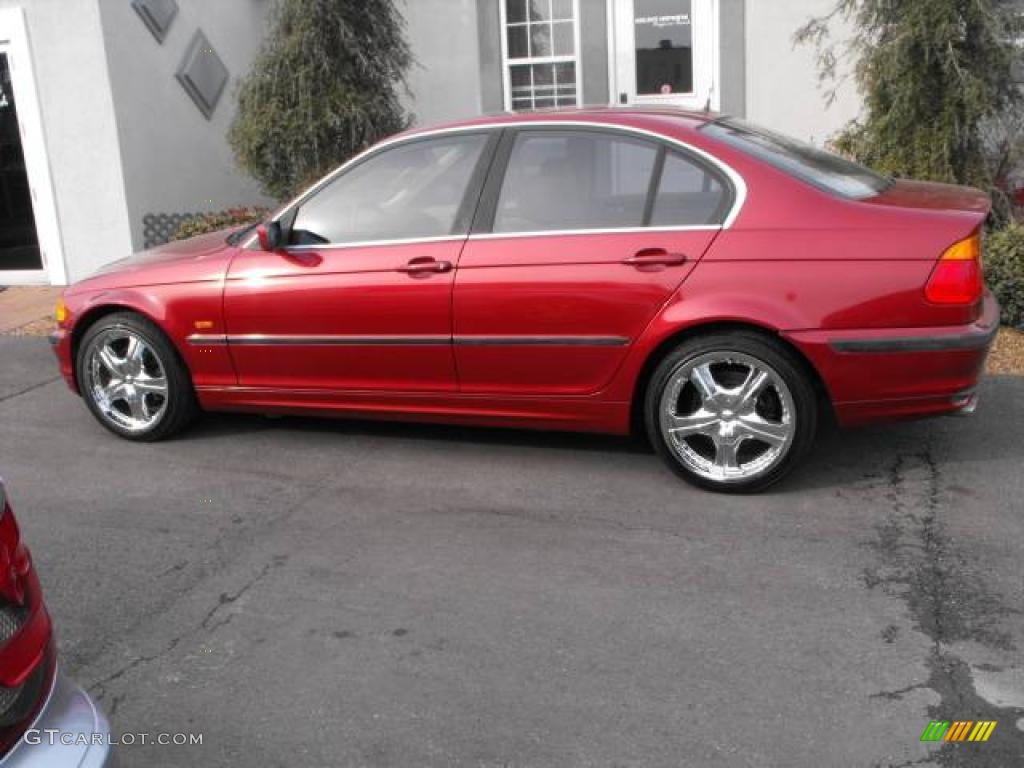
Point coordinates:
pixel 631 115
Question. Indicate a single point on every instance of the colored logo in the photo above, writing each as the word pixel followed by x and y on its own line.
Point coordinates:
pixel 958 730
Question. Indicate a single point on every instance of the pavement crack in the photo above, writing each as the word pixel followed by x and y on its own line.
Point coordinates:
pixel 920 563
pixel 227 598
pixel 28 389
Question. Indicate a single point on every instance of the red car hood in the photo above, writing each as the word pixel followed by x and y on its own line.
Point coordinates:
pixel 197 259
pixel 928 195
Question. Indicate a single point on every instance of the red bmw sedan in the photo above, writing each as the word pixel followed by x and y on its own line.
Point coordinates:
pixel 721 287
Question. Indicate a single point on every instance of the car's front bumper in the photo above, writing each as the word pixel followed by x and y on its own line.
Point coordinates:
pixel 884 374
pixel 68 710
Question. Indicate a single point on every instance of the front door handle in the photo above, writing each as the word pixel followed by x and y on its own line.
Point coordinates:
pixel 425 264
pixel 655 257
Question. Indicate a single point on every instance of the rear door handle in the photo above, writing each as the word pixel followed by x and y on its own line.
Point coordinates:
pixel 425 264
pixel 655 257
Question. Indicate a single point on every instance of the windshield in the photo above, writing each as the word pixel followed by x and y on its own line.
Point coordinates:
pixel 808 163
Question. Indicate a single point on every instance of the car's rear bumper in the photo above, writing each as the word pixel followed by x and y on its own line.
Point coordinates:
pixel 68 710
pixel 884 374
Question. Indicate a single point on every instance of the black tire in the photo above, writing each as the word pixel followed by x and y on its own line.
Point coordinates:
pixel 751 345
pixel 179 406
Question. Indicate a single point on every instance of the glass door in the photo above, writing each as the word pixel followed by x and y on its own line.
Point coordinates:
pixel 19 243
pixel 665 52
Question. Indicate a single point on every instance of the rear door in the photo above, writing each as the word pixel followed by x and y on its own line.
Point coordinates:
pixel 581 236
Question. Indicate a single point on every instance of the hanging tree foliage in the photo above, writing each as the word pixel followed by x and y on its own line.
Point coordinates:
pixel 324 86
pixel 940 102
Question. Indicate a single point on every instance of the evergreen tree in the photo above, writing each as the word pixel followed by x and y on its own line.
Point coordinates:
pixel 324 86
pixel 940 102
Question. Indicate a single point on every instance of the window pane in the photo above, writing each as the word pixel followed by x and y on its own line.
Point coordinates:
pixel 410 191
pixel 688 195
pixel 564 40
pixel 517 42
pixel 540 40
pixel 561 10
pixel 664 46
pixel 815 166
pixel 540 10
pixel 515 11
pixel 574 180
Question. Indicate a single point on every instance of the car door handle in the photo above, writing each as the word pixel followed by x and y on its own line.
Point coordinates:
pixel 655 257
pixel 425 264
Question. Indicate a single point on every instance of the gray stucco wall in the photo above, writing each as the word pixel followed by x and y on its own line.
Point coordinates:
pixel 733 57
pixel 444 83
pixel 175 160
pixel 492 97
pixel 70 72
pixel 594 52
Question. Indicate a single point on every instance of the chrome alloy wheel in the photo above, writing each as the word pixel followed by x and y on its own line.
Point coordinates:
pixel 127 381
pixel 727 416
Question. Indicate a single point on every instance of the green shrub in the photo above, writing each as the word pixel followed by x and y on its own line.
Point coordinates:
pixel 325 85
pixel 1004 271
pixel 202 223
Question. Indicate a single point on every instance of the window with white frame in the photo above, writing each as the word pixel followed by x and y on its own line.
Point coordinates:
pixel 541 44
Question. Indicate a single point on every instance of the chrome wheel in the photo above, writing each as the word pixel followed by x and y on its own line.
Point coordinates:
pixel 127 380
pixel 727 416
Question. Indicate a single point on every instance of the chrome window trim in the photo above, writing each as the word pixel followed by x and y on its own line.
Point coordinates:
pixel 609 231
pixel 377 243
pixel 737 181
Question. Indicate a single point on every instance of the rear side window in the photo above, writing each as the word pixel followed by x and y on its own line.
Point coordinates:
pixel 822 169
pixel 413 190
pixel 565 180
pixel 559 180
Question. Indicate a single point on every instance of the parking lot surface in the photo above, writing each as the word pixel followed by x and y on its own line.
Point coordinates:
pixel 341 593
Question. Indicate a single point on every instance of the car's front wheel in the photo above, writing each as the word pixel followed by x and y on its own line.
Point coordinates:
pixel 132 379
pixel 731 412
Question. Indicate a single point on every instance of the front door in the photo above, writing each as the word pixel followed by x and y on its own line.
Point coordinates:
pixel 664 52
pixel 360 298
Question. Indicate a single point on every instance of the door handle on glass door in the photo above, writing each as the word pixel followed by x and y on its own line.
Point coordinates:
pixel 655 257
pixel 425 264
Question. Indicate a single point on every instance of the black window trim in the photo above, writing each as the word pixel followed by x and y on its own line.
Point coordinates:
pixel 483 222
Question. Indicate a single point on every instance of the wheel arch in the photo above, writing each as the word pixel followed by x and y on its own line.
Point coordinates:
pixel 94 314
pixel 683 334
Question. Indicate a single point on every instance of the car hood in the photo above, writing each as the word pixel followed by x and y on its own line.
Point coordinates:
pixel 197 259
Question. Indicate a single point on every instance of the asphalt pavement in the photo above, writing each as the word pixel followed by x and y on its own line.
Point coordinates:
pixel 309 592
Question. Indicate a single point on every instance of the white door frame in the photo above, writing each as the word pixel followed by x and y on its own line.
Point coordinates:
pixel 14 42
pixel 706 57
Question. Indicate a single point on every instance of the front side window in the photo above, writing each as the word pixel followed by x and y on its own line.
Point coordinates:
pixel 410 191
pixel 817 167
pixel 540 54
pixel 565 180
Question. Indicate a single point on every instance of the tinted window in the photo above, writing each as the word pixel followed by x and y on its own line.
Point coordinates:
pixel 410 191
pixel 574 180
pixel 688 195
pixel 816 166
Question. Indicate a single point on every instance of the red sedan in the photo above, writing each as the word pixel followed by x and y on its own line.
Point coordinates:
pixel 719 286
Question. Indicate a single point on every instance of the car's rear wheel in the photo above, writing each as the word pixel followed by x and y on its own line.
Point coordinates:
pixel 132 379
pixel 731 412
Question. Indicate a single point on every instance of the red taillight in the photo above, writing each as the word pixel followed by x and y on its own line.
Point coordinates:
pixel 957 277
pixel 27 655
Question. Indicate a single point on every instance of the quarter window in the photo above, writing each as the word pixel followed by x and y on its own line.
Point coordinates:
pixel 565 180
pixel 414 190
pixel 541 58
pixel 688 195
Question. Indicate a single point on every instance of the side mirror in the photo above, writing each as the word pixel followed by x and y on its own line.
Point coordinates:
pixel 271 236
